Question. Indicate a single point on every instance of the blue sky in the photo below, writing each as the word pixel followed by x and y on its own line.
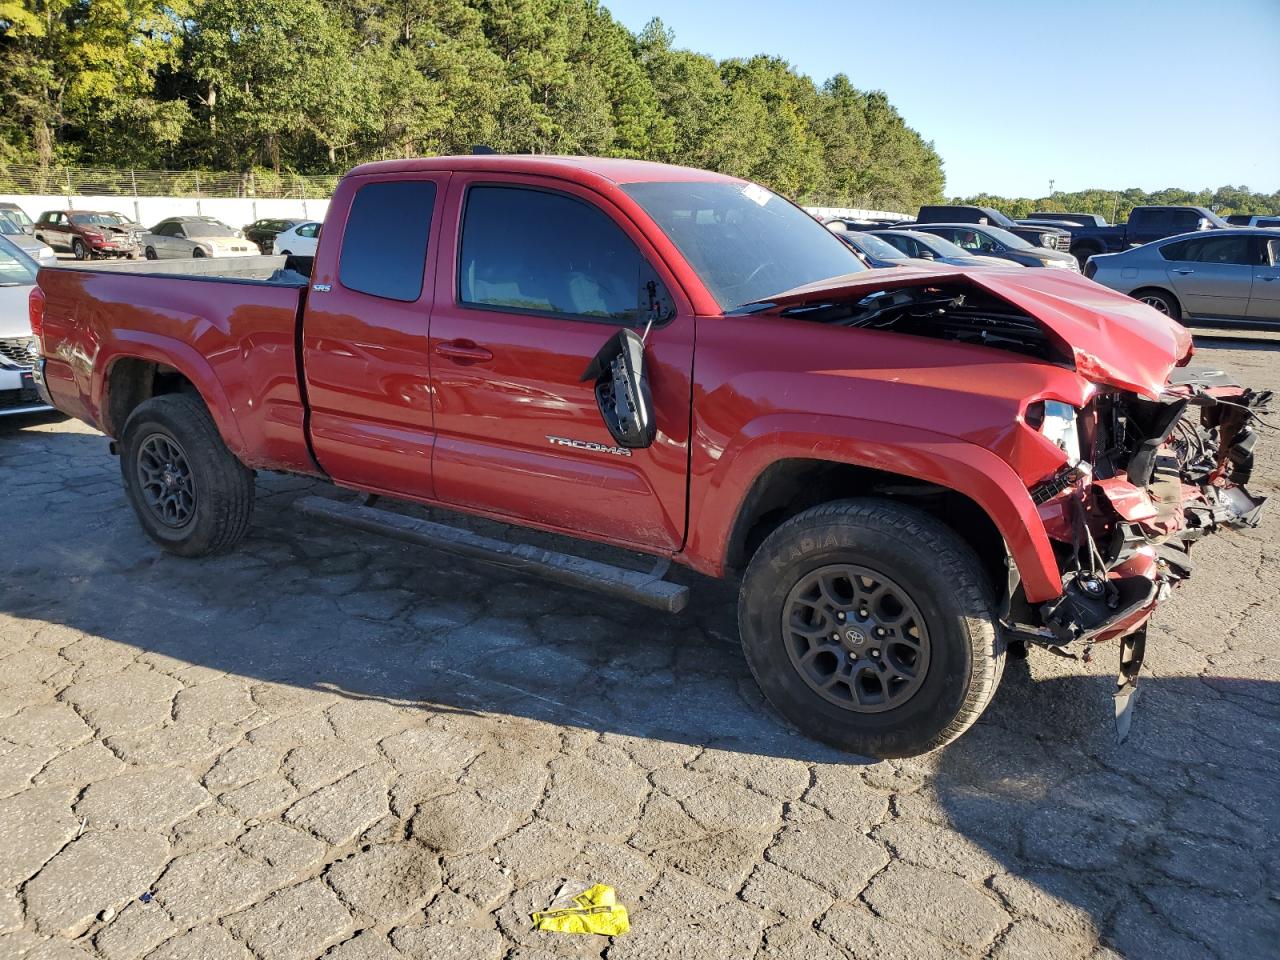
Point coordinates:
pixel 1166 93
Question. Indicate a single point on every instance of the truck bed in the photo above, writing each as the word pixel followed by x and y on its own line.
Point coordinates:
pixel 273 270
pixel 231 325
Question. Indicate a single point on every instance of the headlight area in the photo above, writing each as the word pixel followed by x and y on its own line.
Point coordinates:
pixel 1140 481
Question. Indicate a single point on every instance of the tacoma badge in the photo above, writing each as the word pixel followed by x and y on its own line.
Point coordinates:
pixel 590 445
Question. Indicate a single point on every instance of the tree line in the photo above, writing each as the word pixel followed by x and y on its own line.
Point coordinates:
pixel 316 86
pixel 1115 205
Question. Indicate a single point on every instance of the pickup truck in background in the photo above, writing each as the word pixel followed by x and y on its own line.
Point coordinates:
pixel 911 470
pixel 1038 235
pixel 1144 225
pixel 1068 219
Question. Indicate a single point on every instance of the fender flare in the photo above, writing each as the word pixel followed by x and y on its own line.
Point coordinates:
pixel 155 348
pixel 957 465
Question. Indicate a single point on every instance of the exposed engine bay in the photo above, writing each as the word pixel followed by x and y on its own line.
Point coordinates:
pixel 949 311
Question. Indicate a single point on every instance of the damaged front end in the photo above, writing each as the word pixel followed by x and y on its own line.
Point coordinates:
pixel 1144 480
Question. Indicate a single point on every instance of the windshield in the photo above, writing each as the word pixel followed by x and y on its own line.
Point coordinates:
pixel 1012 241
pixel 941 246
pixel 875 247
pixel 17 215
pixel 745 243
pixel 9 227
pixel 118 219
pixel 93 220
pixel 203 228
pixel 16 268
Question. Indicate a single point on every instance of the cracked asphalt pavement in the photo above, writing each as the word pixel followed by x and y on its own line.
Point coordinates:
pixel 327 744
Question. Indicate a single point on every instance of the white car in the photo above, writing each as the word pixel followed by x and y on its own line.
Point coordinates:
pixel 185 237
pixel 18 351
pixel 299 240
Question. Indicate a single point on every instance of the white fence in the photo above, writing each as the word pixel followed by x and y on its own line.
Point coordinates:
pixel 148 211
pixel 238 211
pixel 856 213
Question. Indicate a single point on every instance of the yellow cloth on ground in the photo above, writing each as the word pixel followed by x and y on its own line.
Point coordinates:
pixel 597 911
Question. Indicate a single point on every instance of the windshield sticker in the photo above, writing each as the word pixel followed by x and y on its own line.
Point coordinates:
pixel 756 194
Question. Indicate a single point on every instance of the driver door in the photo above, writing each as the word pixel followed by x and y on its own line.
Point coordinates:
pixel 539 275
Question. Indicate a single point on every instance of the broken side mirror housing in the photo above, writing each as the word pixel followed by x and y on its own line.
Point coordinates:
pixel 622 390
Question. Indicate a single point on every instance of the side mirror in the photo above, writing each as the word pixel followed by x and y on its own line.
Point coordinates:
pixel 622 390
pixel 1205 224
pixel 927 254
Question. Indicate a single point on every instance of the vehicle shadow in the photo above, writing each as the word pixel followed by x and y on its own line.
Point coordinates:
pixel 1166 844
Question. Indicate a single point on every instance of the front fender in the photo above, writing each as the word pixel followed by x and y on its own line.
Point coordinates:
pixel 717 494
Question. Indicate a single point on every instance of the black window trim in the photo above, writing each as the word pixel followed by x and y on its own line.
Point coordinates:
pixel 427 286
pixel 461 304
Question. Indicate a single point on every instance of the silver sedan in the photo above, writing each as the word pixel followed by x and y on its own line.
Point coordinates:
pixel 1212 275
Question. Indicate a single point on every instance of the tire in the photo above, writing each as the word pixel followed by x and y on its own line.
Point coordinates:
pixel 1082 255
pixel 1161 300
pixel 286 253
pixel 939 592
pixel 215 514
pixel 150 253
pixel 79 250
pixel 196 253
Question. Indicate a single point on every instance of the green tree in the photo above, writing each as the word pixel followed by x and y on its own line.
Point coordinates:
pixel 70 65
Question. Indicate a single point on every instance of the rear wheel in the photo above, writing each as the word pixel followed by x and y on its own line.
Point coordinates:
pixel 1160 300
pixel 190 493
pixel 286 253
pixel 197 252
pixel 869 626
pixel 1082 255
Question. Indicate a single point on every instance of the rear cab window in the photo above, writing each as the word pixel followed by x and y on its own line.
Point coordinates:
pixel 384 241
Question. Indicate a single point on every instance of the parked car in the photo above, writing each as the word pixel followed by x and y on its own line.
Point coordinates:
pixel 18 348
pixel 1254 220
pixel 994 242
pixel 298 240
pixel 871 250
pixel 1144 225
pixel 1049 237
pixel 88 234
pixel 1231 275
pixel 187 237
pixel 928 246
pixel 18 216
pixel 263 232
pixel 898 460
pixel 36 249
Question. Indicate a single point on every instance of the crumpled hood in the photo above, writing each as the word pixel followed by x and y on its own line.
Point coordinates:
pixel 1113 339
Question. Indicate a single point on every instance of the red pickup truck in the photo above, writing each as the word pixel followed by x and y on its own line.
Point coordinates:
pixel 912 471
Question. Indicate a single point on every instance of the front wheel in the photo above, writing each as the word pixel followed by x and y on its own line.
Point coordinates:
pixel 79 250
pixel 869 626
pixel 150 253
pixel 191 494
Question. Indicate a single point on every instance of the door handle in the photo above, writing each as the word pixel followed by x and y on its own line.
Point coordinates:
pixel 463 351
pixel 1269 279
pixel 1184 272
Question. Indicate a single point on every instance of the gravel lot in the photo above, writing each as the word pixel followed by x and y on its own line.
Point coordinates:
pixel 328 744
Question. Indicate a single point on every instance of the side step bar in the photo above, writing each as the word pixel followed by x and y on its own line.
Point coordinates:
pixel 645 588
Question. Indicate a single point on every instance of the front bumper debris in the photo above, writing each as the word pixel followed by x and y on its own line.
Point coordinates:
pixel 1162 475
